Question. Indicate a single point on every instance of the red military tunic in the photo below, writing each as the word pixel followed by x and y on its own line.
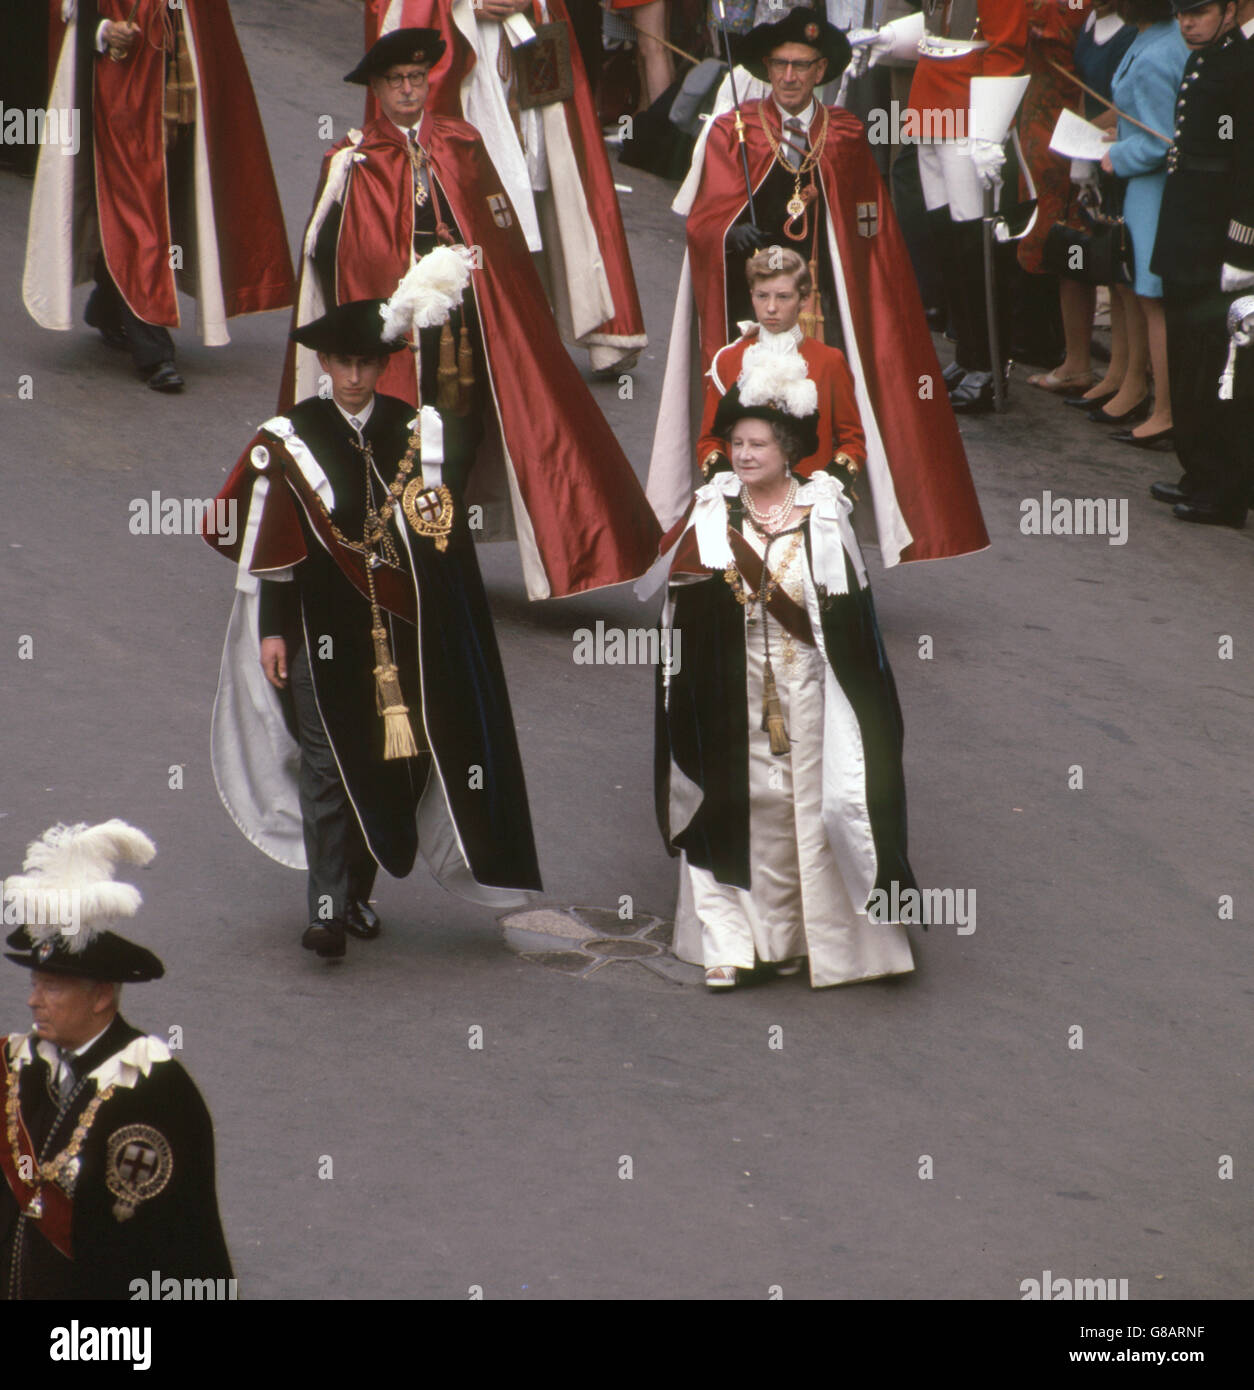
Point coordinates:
pixel 941 90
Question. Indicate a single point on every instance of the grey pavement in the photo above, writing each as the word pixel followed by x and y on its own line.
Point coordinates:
pixel 751 1167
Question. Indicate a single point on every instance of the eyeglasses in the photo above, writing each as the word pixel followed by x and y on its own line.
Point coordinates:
pixel 800 66
pixel 417 77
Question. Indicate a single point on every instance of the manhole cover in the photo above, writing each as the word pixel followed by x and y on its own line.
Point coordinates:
pixel 597 943
pixel 621 948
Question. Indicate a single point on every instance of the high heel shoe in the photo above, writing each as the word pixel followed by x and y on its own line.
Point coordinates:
pixel 1134 416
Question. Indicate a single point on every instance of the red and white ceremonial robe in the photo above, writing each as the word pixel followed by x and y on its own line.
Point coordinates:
pixel 552 163
pixel 924 502
pixel 552 473
pixel 241 263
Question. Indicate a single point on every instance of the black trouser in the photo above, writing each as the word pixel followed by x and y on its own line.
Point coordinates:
pixel 963 272
pixel 149 344
pixel 341 867
pixel 1212 437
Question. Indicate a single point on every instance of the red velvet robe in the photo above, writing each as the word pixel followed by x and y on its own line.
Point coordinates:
pixel 840 427
pixel 911 407
pixel 584 504
pixel 582 122
pixel 130 170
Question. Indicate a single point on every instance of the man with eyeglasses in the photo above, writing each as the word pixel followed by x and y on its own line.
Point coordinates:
pixel 513 70
pixel 817 190
pixel 542 462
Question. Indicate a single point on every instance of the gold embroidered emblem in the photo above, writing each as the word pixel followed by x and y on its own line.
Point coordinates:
pixel 429 511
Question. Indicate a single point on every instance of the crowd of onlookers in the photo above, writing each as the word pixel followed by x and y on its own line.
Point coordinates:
pixel 1121 64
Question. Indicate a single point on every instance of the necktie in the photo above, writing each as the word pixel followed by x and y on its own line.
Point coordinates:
pixel 66 1079
pixel 794 141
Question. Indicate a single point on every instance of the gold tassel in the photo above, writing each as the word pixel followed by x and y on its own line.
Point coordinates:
pixel 773 715
pixel 446 394
pixel 398 733
pixel 465 371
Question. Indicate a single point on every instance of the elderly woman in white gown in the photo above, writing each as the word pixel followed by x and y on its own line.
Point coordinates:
pixel 779 733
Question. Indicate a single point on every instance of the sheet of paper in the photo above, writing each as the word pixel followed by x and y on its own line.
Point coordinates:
pixel 1078 138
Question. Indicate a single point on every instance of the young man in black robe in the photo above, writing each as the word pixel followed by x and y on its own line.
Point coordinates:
pixel 361 600
pixel 108 1161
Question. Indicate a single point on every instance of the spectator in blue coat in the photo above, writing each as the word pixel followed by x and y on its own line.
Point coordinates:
pixel 1145 86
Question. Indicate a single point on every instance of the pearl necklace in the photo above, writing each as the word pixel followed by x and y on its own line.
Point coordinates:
pixel 774 517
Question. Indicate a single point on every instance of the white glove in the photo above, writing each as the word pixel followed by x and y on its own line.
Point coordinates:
pixel 1084 172
pixel 1233 280
pixel 988 158
pixel 876 49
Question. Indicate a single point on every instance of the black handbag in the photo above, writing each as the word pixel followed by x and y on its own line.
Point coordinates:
pixel 1098 253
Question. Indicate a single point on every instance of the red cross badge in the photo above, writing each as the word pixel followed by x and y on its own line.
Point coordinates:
pixel 812 31
pixel 429 511
pixel 868 219
pixel 138 1164
pixel 501 213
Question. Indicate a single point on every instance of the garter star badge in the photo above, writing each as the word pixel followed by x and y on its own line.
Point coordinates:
pixel 429 511
pixel 138 1164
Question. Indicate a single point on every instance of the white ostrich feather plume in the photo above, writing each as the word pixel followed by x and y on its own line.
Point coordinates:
pixel 778 379
pixel 80 860
pixel 429 292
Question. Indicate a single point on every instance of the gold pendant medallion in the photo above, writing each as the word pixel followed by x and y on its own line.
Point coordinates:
pixel 429 511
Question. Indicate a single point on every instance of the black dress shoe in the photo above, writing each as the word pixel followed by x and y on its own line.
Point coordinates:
pixel 1089 402
pixel 361 920
pixel 1160 442
pixel 1168 492
pixel 974 394
pixel 163 377
pixel 952 375
pixel 1129 417
pixel 1208 514
pixel 327 938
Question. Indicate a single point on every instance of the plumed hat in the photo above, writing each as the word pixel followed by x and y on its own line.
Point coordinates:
pixel 773 385
pixel 66 895
pixel 349 330
pixel 400 46
pixel 797 26
pixel 428 292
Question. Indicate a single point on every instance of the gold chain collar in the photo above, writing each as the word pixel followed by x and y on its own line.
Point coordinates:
pixel 63 1165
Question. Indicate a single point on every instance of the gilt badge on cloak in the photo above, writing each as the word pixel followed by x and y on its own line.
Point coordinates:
pixel 502 215
pixel 138 1165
